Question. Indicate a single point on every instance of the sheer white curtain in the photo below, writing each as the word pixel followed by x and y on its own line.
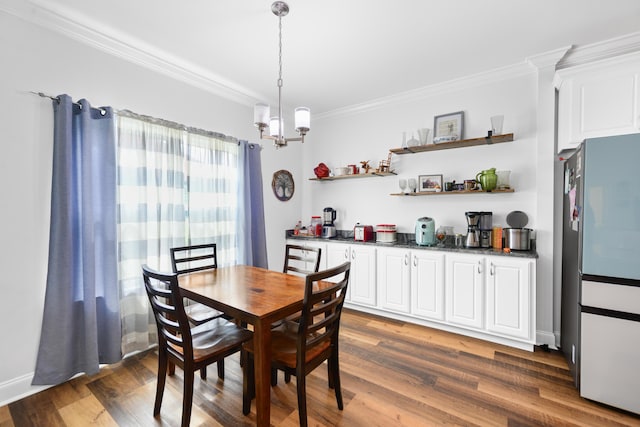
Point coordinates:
pixel 176 186
pixel 212 171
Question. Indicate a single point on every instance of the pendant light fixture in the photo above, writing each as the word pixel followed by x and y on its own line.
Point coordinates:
pixel 261 113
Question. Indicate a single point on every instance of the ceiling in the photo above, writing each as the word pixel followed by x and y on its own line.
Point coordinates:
pixel 339 53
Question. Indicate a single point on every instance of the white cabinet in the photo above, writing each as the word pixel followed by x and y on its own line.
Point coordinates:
pixel 394 272
pixel 477 294
pixel 599 99
pixel 362 282
pixel 427 284
pixel 506 284
pixel 464 290
pixel 411 282
pixel 510 296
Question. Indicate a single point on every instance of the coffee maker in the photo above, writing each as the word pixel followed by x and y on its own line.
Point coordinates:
pixel 328 226
pixel 485 225
pixel 473 233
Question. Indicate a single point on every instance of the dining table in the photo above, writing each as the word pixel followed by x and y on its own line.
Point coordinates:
pixel 256 296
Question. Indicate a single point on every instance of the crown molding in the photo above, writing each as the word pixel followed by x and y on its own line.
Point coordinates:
pixel 606 49
pixel 63 21
pixel 455 85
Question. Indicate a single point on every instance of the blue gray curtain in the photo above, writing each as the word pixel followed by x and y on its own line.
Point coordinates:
pixel 81 323
pixel 253 241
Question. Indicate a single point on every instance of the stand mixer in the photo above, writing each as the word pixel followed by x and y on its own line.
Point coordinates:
pixel 473 233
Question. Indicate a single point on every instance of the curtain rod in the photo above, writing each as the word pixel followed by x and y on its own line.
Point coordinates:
pixel 57 99
pixel 164 122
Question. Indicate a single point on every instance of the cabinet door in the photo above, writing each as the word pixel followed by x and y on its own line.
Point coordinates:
pixel 598 101
pixel 393 279
pixel 427 284
pixel 337 253
pixel 464 289
pixel 323 255
pixel 509 296
pixel 363 275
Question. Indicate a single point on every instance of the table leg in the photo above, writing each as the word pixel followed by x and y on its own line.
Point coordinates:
pixel 262 360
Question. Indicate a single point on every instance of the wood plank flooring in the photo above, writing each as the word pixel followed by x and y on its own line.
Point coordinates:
pixel 393 374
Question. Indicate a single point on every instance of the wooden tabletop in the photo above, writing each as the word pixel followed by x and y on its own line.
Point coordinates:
pixel 246 292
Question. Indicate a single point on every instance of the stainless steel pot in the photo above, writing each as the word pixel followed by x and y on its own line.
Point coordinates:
pixel 518 239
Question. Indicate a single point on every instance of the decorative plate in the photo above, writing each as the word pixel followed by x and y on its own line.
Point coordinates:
pixel 283 185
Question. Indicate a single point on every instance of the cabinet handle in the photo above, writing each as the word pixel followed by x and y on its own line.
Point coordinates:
pixel 415 261
pixel 479 267
pixel 491 271
pixel 346 254
pixel 406 259
pixel 353 254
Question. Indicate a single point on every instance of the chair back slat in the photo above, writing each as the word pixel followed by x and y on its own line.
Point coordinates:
pixel 187 259
pixel 320 318
pixel 297 257
pixel 168 309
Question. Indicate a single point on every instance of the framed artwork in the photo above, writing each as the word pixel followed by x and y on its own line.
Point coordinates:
pixel 448 127
pixel 283 185
pixel 430 183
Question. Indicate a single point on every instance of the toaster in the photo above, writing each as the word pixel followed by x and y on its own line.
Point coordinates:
pixel 362 233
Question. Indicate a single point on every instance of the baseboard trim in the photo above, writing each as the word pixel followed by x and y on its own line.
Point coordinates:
pixel 546 337
pixel 18 388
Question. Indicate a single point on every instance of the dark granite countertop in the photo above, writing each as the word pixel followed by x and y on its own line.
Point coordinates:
pixel 407 241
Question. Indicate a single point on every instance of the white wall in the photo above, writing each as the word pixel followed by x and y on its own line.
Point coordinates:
pixel 35 59
pixel 369 135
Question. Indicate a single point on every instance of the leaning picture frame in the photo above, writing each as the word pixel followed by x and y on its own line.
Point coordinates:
pixel 429 183
pixel 448 127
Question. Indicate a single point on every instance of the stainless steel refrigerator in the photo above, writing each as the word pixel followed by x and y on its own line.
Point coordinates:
pixel 600 332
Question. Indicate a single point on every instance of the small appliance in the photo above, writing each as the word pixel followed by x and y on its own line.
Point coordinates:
pixel 328 226
pixel 425 231
pixel 473 234
pixel 485 226
pixel 386 233
pixel 362 233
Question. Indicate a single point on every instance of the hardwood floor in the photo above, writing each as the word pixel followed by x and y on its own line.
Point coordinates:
pixel 393 374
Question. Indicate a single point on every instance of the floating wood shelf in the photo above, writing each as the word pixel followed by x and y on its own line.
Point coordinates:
pixel 359 175
pixel 450 193
pixel 496 139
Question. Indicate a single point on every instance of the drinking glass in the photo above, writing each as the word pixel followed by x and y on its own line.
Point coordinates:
pixel 496 124
pixel 413 184
pixel 441 234
pixel 403 185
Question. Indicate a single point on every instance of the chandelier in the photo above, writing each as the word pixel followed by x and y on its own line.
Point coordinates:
pixel 261 113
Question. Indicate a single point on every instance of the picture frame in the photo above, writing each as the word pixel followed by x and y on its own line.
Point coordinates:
pixel 429 183
pixel 448 127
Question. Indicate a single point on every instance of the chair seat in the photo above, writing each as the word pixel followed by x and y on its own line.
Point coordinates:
pixel 215 337
pixel 200 313
pixel 283 345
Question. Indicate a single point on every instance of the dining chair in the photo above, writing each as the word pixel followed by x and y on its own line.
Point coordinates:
pixel 301 261
pixel 179 343
pixel 299 347
pixel 188 259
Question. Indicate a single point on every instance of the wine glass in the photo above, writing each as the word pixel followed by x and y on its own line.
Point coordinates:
pixel 403 185
pixel 412 185
pixel 441 234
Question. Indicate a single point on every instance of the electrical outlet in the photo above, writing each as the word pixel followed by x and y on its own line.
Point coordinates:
pixel 573 354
